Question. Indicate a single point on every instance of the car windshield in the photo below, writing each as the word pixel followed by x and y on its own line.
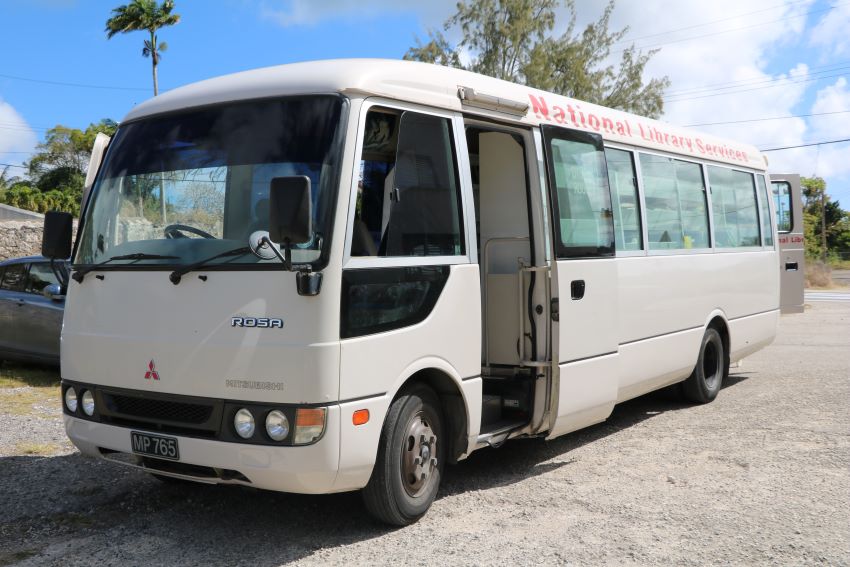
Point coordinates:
pixel 190 185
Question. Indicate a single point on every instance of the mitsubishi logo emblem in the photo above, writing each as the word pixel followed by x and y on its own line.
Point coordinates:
pixel 151 373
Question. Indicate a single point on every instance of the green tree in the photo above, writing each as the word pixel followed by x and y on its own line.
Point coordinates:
pixel 144 15
pixel 826 226
pixel 56 171
pixel 66 149
pixel 513 40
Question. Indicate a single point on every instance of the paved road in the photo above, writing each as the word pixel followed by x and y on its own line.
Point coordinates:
pixel 841 296
pixel 760 476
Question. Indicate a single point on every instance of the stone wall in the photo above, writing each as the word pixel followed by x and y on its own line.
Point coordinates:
pixel 20 238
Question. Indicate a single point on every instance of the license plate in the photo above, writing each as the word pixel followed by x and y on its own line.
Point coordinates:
pixel 155 446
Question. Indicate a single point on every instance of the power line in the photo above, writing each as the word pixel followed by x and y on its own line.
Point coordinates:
pixel 756 81
pixel 633 39
pixel 766 119
pixel 12 165
pixel 789 82
pixel 806 145
pixel 642 47
pixel 76 85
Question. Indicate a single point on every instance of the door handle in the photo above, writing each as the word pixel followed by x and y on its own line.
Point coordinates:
pixel 791 266
pixel 577 289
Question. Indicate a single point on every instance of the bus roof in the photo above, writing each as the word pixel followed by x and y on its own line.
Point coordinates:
pixel 438 86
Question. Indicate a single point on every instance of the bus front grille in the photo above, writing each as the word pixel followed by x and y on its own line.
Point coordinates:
pixel 181 412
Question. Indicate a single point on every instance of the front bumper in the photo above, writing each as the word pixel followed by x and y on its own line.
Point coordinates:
pixel 309 469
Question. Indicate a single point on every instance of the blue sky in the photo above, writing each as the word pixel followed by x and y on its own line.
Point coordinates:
pixel 728 60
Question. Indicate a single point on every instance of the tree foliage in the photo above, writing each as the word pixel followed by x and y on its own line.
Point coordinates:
pixel 56 172
pixel 820 210
pixel 144 15
pixel 513 40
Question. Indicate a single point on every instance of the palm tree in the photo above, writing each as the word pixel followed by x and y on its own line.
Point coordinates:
pixel 144 15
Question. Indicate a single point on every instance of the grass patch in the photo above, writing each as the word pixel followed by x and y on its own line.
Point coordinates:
pixel 14 375
pixel 43 449
pixel 23 387
pixel 12 557
pixel 73 520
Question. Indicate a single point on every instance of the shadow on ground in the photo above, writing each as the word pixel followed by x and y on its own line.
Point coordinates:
pixel 50 502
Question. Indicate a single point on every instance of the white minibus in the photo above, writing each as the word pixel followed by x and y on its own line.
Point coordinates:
pixel 346 275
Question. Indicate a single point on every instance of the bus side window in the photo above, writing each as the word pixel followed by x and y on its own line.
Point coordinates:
pixel 676 209
pixel 733 202
pixel 621 177
pixel 764 214
pixel 782 202
pixel 408 201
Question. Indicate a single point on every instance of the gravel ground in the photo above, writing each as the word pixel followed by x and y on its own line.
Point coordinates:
pixel 762 475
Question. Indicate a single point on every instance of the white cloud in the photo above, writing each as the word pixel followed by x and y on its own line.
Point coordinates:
pixel 17 139
pixel 831 33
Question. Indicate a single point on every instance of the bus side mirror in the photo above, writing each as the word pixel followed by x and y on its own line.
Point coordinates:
pixel 290 210
pixel 56 238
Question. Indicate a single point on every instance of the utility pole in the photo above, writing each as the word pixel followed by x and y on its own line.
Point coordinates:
pixel 823 222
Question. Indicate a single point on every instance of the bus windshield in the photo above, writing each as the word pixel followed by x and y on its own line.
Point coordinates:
pixel 178 188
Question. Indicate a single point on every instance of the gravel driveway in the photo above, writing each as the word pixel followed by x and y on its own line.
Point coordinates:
pixel 762 475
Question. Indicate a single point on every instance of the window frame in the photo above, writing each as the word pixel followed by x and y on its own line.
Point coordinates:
pixel 790 203
pixel 752 173
pixel 456 123
pixel 562 251
pixel 710 249
pixel 770 212
pixel 640 201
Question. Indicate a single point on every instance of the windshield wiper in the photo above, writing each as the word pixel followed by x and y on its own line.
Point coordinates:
pixel 177 274
pixel 80 273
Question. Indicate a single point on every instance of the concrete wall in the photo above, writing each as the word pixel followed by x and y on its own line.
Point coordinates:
pixel 13 213
pixel 21 238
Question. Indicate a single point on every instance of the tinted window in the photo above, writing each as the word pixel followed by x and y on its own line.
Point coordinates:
pixel 408 197
pixel 40 276
pixel 13 277
pixel 676 210
pixel 764 213
pixel 733 202
pixel 621 176
pixel 581 198
pixel 209 169
pixel 782 204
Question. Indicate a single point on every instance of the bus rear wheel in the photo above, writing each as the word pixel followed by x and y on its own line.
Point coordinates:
pixel 706 380
pixel 410 459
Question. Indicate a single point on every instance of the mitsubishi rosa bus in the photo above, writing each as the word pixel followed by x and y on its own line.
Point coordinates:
pixel 346 275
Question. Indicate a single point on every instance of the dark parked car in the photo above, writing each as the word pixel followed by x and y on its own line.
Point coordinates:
pixel 30 321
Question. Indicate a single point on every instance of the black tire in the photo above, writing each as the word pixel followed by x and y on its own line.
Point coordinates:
pixel 394 495
pixel 712 367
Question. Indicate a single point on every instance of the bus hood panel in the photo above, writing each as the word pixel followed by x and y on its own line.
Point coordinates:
pixel 238 335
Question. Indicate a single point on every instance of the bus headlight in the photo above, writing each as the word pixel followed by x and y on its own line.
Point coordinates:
pixel 71 399
pixel 243 423
pixel 88 403
pixel 277 426
pixel 309 425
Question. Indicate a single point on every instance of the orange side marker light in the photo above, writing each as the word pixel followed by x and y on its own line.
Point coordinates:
pixel 360 417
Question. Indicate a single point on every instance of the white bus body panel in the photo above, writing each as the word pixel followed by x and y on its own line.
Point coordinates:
pixel 114 328
pixel 448 340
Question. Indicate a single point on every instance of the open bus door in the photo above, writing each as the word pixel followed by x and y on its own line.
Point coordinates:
pixel 788 204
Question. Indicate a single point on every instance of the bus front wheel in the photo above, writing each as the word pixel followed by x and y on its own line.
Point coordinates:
pixel 706 380
pixel 410 459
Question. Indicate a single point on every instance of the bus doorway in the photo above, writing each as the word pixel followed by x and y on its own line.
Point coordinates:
pixel 514 287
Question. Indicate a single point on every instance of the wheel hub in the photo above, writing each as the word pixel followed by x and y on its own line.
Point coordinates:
pixel 419 460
